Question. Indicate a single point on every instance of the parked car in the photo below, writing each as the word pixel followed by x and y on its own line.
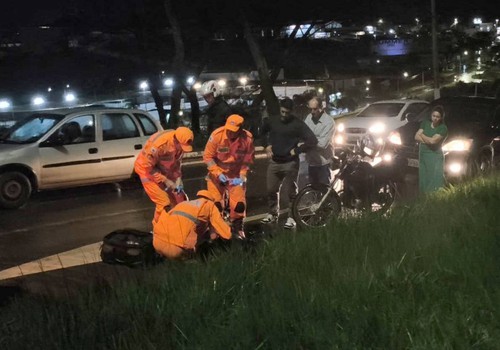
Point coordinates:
pixel 377 119
pixel 473 142
pixel 70 147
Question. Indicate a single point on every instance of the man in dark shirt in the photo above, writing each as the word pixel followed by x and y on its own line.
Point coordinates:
pixel 285 137
pixel 218 109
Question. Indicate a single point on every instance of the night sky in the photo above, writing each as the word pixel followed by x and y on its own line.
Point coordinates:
pixel 35 12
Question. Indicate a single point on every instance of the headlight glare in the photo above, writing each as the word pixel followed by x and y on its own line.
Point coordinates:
pixel 395 138
pixel 377 128
pixel 459 145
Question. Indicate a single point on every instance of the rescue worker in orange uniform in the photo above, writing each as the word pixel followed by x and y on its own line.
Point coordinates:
pixel 228 154
pixel 178 232
pixel 159 167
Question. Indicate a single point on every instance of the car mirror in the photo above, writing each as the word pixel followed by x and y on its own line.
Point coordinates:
pixel 410 117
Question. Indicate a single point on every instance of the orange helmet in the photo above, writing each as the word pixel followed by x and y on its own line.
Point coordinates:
pixel 234 122
pixel 206 194
pixel 185 137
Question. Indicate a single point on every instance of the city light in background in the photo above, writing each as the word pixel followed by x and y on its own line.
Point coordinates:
pixel 38 100
pixel 4 104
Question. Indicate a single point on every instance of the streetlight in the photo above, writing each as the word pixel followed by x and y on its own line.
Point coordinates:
pixel 168 82
pixel 38 100
pixel 4 104
pixel 221 83
pixel 405 74
pixel 144 85
pixel 190 80
pixel 243 81
pixel 70 97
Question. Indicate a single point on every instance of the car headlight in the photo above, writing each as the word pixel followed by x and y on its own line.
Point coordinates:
pixel 459 145
pixel 377 128
pixel 395 138
pixel 341 127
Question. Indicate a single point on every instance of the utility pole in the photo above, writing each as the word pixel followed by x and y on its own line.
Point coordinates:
pixel 435 64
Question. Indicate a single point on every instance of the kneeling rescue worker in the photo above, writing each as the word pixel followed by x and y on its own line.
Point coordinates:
pixel 178 232
pixel 159 167
pixel 228 154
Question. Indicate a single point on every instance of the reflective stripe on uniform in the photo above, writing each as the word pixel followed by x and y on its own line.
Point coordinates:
pixel 211 163
pixel 186 215
pixel 145 179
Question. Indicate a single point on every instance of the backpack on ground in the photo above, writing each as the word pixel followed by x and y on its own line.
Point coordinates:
pixel 129 247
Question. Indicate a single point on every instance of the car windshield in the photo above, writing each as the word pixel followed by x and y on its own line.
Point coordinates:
pixel 30 129
pixel 382 110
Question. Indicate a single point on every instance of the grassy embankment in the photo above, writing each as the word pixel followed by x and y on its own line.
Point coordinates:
pixel 427 277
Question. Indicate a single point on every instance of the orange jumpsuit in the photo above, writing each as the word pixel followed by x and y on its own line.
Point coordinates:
pixel 231 158
pixel 160 160
pixel 185 225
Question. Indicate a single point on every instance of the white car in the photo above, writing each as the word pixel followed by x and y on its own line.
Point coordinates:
pixel 378 119
pixel 70 147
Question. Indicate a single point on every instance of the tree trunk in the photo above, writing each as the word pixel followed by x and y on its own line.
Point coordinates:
pixel 154 87
pixel 195 108
pixel 261 63
pixel 177 64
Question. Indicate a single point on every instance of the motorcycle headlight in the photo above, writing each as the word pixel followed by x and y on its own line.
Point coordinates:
pixel 459 145
pixel 377 128
pixel 341 127
pixel 395 138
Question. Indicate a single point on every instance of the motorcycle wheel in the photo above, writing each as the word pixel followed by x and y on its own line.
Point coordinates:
pixel 308 212
pixel 384 197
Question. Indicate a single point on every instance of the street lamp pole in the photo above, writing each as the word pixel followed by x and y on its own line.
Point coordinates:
pixel 435 65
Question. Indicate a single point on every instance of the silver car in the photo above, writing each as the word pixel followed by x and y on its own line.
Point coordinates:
pixel 70 147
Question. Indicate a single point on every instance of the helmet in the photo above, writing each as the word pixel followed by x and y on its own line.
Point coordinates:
pixel 205 194
pixel 185 137
pixel 211 87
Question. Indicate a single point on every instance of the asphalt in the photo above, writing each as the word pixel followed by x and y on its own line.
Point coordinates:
pixel 67 274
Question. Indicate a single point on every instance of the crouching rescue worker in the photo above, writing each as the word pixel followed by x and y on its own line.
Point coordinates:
pixel 159 167
pixel 179 231
pixel 228 154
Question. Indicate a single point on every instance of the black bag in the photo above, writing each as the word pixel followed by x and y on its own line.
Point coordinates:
pixel 129 247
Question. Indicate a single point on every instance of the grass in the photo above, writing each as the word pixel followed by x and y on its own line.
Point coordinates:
pixel 426 277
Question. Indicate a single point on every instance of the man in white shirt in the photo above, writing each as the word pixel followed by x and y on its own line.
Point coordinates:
pixel 320 157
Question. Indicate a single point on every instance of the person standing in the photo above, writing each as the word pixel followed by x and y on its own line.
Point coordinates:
pixel 319 158
pixel 159 167
pixel 218 109
pixel 179 232
pixel 282 136
pixel 431 136
pixel 228 155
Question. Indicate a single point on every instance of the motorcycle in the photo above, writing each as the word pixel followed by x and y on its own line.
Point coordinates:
pixel 364 182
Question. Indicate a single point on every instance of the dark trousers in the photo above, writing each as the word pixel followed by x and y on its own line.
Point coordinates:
pixel 281 176
pixel 320 175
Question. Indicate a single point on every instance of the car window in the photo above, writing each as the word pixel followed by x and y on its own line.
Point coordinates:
pixel 382 110
pixel 117 126
pixel 80 129
pixel 415 108
pixel 147 125
pixel 30 129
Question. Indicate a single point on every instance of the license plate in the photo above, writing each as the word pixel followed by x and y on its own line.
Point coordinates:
pixel 413 162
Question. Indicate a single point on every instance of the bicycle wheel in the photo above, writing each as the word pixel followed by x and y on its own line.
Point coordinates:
pixel 384 197
pixel 315 207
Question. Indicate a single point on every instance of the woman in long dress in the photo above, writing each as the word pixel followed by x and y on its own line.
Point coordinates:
pixel 431 136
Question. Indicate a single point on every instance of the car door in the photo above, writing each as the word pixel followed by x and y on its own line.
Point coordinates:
pixel 72 158
pixel 121 142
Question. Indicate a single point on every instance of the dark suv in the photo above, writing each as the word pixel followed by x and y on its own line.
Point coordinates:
pixel 473 142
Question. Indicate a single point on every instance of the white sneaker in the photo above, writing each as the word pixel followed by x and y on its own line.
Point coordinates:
pixel 269 218
pixel 290 223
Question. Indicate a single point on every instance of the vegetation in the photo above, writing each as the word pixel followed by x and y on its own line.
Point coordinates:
pixel 425 277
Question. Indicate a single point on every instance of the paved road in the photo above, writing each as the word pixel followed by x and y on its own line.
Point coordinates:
pixel 58 221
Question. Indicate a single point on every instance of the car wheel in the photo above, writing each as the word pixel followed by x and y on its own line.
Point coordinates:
pixel 15 190
pixel 485 163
